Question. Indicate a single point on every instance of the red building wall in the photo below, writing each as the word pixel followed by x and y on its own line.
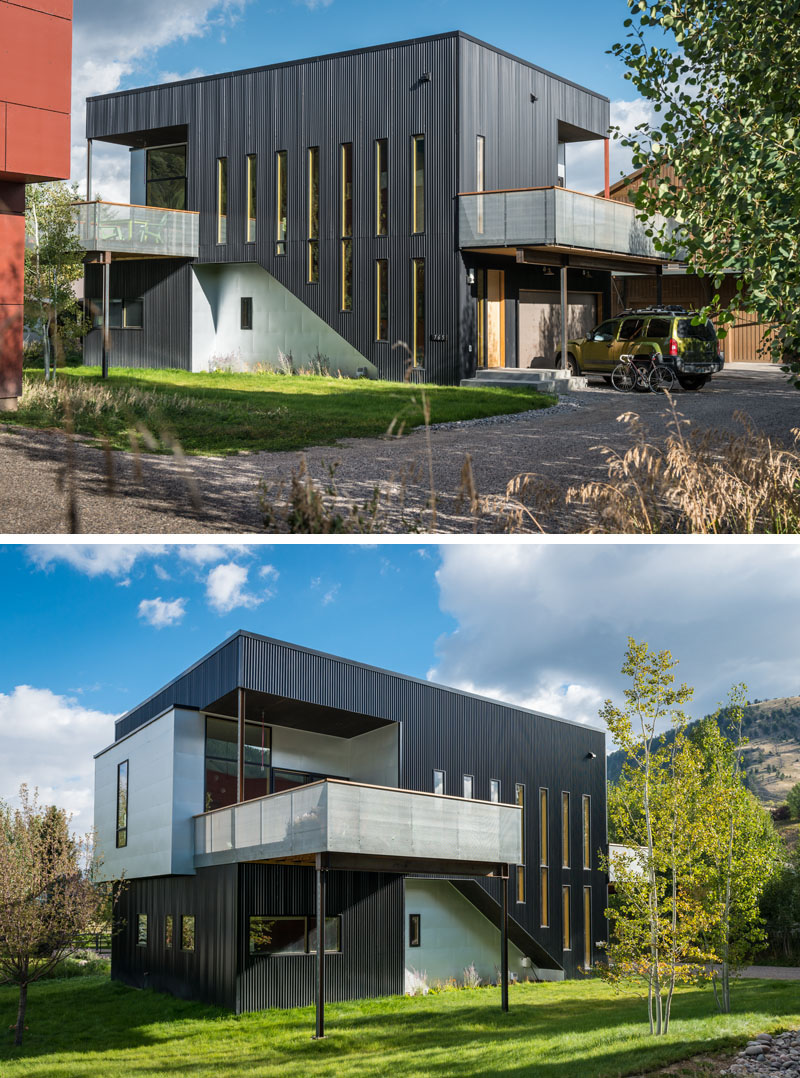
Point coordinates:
pixel 35 78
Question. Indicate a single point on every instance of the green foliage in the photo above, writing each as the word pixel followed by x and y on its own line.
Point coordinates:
pixel 780 909
pixel 793 801
pixel 722 78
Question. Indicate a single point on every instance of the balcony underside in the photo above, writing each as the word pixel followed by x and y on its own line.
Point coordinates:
pixel 363 828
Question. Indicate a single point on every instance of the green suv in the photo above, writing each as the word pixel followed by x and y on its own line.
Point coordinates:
pixel 691 352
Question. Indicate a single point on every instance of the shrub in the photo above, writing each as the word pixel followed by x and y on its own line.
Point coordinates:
pixel 781 812
pixel 471 978
pixel 793 801
pixel 417 982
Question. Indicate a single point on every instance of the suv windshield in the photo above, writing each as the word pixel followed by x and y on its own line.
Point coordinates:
pixel 697 333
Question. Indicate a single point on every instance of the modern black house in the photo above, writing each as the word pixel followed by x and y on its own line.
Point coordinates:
pixel 394 211
pixel 269 789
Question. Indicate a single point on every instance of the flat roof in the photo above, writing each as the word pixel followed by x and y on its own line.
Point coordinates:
pixel 361 666
pixel 352 52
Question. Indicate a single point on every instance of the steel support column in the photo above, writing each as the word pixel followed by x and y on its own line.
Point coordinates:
pixel 504 947
pixel 89 170
pixel 659 285
pixel 320 1030
pixel 606 169
pixel 106 343
pixel 564 303
pixel 240 713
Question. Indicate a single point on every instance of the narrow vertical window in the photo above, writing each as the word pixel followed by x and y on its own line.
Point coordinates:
pixel 494 790
pixel 281 201
pixel 381 187
pixel 544 897
pixel 141 930
pixel 168 931
pixel 587 928
pixel 520 883
pixel 543 858
pixel 187 933
pixel 565 830
pixel 246 319
pixel 222 200
pixel 418 301
pixel 382 299
pixel 519 799
pixel 587 831
pixel 122 804
pixel 313 215
pixel 566 927
pixel 252 197
pixel 414 935
pixel 438 782
pixel 469 786
pixel 480 174
pixel 347 225
pixel 418 183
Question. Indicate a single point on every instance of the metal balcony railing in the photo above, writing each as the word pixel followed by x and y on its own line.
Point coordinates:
pixel 137 230
pixel 334 816
pixel 552 216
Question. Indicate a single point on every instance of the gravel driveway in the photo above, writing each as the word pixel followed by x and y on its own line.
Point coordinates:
pixel 114 493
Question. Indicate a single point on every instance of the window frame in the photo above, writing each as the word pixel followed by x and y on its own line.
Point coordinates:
pixel 246 313
pixel 438 771
pixel 381 292
pixel 586 823
pixel 588 949
pixel 468 780
pixel 418 294
pixel 169 932
pixel 495 784
pixel 418 186
pixel 251 231
pixel 520 888
pixel 566 836
pixel 566 917
pixel 166 179
pixel 544 896
pixel 281 202
pixel 312 215
pixel 141 937
pixel 122 830
pixel 183 918
pixel 480 180
pixel 307 931
pixel 544 823
pixel 415 930
pixel 381 191
pixel 222 201
pixel 346 200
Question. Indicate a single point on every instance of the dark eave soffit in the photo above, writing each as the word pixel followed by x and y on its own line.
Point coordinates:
pixel 296 714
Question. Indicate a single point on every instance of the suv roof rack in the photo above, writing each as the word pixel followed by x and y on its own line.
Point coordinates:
pixel 653 308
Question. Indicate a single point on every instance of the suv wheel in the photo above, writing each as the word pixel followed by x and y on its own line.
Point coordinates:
pixel 572 365
pixel 692 381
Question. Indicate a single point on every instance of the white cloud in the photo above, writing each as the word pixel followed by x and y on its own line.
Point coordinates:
pixel 314 5
pixel 225 588
pixel 111 43
pixel 160 613
pixel 161 572
pixel 208 553
pixel 585 159
pixel 546 626
pixel 48 741
pixel 112 559
pixel 330 595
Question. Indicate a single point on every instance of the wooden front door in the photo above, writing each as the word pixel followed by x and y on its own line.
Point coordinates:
pixel 495 318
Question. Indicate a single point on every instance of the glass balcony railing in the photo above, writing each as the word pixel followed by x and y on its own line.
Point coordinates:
pixel 552 216
pixel 137 230
pixel 334 816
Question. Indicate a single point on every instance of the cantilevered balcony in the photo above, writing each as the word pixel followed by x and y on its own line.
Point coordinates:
pixel 360 826
pixel 553 217
pixel 137 231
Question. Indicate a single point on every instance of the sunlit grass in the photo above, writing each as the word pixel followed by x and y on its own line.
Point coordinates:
pixel 227 413
pixel 91 1027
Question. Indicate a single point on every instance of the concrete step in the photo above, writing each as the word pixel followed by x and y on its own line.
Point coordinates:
pixel 522 374
pixel 547 382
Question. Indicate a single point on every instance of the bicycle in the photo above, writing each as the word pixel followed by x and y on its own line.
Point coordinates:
pixel 642 372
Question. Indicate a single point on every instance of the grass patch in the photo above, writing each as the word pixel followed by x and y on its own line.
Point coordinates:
pixel 228 413
pixel 90 1026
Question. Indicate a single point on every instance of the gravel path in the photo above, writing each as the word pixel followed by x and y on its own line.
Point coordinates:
pixel 115 493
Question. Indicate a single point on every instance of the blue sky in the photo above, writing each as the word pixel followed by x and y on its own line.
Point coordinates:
pixel 131 43
pixel 91 630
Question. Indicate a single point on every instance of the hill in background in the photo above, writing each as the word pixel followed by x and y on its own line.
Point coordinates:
pixel 772 755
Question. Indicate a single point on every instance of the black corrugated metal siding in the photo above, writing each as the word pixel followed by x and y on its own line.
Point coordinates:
pixel 371 960
pixel 165 337
pixel 208 973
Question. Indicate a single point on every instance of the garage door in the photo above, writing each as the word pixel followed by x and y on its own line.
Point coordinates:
pixel 540 324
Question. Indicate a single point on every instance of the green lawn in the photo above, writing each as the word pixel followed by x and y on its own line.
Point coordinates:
pixel 90 1027
pixel 228 413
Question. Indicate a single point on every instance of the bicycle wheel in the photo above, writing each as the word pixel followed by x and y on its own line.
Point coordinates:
pixel 661 378
pixel 623 377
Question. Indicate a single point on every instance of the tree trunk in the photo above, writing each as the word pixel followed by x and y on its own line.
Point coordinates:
pixel 23 1006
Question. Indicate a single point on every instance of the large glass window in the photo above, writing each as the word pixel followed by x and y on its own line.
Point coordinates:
pixel 166 177
pixel 281 200
pixel 222 762
pixel 187 932
pixel 222 200
pixel 565 860
pixel 418 300
pixel 122 313
pixel 587 831
pixel 313 214
pixel 347 226
pixel 292 935
pixel 122 804
pixel 382 187
pixel 418 183
pixel 382 299
pixel 252 197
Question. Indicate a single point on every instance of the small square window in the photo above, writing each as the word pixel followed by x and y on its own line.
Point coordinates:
pixel 187 933
pixel 141 930
pixel 438 782
pixel 414 935
pixel 469 786
pixel 247 312
pixel 494 790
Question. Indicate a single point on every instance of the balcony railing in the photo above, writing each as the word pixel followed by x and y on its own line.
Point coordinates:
pixel 137 230
pixel 552 216
pixel 340 817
